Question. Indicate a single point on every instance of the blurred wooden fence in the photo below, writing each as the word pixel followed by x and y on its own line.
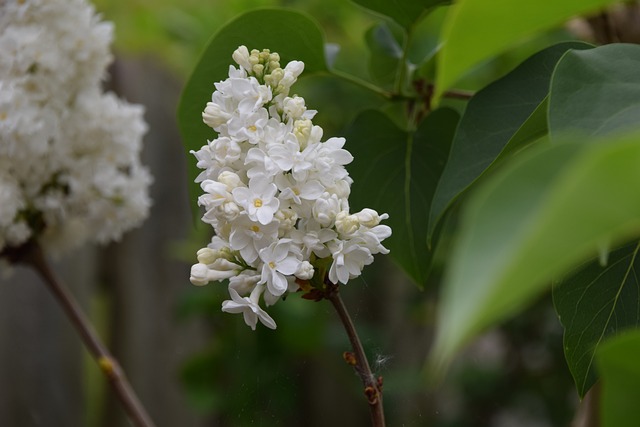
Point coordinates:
pixel 43 367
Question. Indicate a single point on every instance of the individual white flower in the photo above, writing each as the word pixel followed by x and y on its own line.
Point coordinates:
pixel 258 200
pixel 313 238
pixel 244 282
pixel 225 150
pixel 249 237
pixel 326 208
pixel 297 191
pixel 288 157
pixel 349 259
pixel 261 164
pixel 249 127
pixel 249 308
pixel 280 259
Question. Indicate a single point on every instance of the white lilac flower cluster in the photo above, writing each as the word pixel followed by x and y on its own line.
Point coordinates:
pixel 69 153
pixel 276 196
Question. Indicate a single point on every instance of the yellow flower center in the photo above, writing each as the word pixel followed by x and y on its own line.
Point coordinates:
pixel 255 228
pixel 252 128
pixel 272 264
pixel 257 203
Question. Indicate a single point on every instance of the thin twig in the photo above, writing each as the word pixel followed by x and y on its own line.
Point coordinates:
pixel 372 385
pixel 108 364
pixel 458 94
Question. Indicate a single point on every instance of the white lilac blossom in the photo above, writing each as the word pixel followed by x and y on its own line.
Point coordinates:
pixel 69 153
pixel 275 194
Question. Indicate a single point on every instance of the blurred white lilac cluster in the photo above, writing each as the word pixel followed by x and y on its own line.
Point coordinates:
pixel 275 194
pixel 69 153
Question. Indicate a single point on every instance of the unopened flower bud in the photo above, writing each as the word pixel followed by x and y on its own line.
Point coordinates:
pixel 230 179
pixel 346 224
pixel 294 107
pixel 241 56
pixel 230 210
pixel 207 255
pixel 370 218
pixel 214 116
pixel 304 271
pixel 258 69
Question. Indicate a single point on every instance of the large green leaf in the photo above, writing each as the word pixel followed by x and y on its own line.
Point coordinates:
pixel 498 116
pixel 594 304
pixel 404 12
pixel 549 210
pixel 476 30
pixel 618 361
pixel 295 36
pixel 596 92
pixel 396 172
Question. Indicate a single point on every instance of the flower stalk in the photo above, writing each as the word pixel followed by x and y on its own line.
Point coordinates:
pixel 32 254
pixel 358 359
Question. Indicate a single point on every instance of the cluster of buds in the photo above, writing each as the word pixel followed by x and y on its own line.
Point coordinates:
pixel 275 194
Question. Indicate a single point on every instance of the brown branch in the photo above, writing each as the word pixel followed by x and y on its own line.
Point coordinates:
pixel 358 359
pixel 32 255
pixel 458 94
pixel 588 413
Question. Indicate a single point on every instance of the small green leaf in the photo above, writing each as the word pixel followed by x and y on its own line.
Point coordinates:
pixel 597 91
pixel 396 172
pixel 476 30
pixel 500 115
pixel 404 12
pixel 617 359
pixel 295 36
pixel 546 212
pixel 594 304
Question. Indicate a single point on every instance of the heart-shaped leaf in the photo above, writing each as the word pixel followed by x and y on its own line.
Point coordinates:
pixel 396 172
pixel 594 304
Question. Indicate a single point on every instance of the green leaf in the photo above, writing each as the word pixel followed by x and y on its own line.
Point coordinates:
pixel 546 212
pixel 396 172
pixel 476 30
pixel 596 92
pixel 295 36
pixel 404 12
pixel 509 112
pixel 594 304
pixel 385 54
pixel 617 359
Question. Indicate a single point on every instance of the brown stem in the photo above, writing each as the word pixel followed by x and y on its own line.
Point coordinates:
pixel 458 94
pixel 106 361
pixel 372 386
pixel 588 413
